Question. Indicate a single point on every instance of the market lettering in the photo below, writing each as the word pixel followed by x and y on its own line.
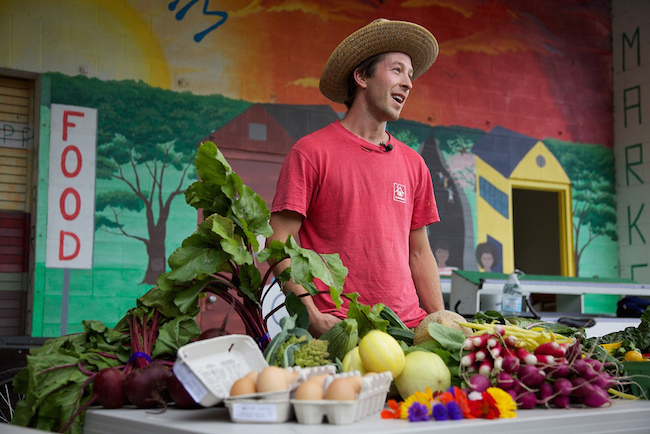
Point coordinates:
pixel 635 94
pixel 633 157
pixel 633 225
pixel 634 267
pixel 631 44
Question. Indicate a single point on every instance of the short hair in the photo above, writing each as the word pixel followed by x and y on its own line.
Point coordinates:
pixel 367 69
pixel 487 248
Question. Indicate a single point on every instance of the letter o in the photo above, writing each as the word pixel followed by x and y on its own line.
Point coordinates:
pixel 77 198
pixel 64 157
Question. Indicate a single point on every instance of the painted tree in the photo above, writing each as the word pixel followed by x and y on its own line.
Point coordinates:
pixel 591 170
pixel 147 140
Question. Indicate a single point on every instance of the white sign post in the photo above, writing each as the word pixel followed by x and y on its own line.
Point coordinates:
pixel 71 193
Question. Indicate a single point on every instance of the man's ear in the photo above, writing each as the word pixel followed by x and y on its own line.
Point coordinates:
pixel 360 78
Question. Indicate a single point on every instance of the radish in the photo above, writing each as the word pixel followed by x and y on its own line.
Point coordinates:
pixel 562 401
pixel 485 367
pixel 598 398
pixel 584 369
pixel 479 383
pixel 146 387
pixel 510 341
pixel 510 364
pixel 559 370
pixel 545 393
pixel 582 387
pixel 481 340
pixel 544 359
pixel 525 356
pixel 505 381
pixel 530 376
pixel 562 386
pixel 604 381
pixel 526 400
pixel 550 349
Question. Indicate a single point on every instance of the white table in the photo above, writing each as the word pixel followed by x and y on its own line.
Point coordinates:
pixel 621 417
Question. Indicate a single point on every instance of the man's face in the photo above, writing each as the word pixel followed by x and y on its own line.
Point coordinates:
pixel 388 88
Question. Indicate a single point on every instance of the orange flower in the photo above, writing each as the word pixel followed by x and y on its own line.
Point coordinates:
pixel 394 412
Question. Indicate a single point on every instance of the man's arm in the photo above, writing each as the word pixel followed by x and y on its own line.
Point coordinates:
pixel 287 223
pixel 424 270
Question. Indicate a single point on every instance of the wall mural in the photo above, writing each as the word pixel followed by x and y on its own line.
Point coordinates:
pixel 512 78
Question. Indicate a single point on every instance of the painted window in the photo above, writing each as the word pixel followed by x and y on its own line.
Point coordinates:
pixel 495 197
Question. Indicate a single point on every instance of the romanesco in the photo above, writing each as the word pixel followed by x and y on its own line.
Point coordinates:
pixel 310 352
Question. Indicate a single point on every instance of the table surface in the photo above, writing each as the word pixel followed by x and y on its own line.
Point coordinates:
pixel 620 417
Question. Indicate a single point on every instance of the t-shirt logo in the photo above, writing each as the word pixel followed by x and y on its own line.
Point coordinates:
pixel 399 192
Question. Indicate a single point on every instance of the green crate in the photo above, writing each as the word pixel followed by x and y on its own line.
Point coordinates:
pixel 639 373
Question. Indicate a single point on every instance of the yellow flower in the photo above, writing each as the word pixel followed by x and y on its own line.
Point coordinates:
pixel 505 403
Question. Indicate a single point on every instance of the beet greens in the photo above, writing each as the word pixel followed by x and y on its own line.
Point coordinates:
pixel 221 257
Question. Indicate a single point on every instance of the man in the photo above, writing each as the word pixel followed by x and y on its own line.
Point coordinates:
pixel 353 189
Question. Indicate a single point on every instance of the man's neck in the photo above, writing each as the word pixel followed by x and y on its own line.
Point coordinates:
pixel 365 127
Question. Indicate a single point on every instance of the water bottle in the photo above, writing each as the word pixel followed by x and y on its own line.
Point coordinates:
pixel 512 299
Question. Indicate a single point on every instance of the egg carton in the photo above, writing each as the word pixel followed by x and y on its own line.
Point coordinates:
pixel 370 400
pixel 271 407
pixel 208 368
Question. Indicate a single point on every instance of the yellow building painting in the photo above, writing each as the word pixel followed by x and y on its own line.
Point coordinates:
pixel 507 161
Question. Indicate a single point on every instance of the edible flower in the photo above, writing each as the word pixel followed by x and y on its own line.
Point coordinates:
pixel 452 404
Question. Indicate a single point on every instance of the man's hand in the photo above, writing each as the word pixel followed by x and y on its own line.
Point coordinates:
pixel 319 323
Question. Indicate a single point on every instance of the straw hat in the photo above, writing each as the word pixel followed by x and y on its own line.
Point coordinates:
pixel 380 36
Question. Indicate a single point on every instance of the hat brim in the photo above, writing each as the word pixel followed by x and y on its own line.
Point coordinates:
pixel 380 36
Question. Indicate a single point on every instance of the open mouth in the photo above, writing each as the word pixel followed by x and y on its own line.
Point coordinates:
pixel 399 98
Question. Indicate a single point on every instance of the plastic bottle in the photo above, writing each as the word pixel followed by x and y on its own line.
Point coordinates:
pixel 512 298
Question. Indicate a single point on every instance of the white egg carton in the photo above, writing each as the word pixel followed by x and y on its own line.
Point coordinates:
pixel 208 368
pixel 371 400
pixel 271 407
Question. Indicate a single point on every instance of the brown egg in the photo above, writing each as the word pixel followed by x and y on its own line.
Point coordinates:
pixel 272 379
pixel 359 381
pixel 243 386
pixel 342 389
pixel 310 390
pixel 253 375
pixel 319 379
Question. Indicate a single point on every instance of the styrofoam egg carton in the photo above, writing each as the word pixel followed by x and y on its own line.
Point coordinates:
pixel 371 399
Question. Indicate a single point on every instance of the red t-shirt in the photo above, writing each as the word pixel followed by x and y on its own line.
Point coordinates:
pixel 361 202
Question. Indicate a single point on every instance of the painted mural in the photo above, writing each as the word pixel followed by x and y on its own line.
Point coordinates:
pixel 519 96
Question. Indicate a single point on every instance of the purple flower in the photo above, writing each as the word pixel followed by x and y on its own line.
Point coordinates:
pixel 440 412
pixel 418 412
pixel 455 413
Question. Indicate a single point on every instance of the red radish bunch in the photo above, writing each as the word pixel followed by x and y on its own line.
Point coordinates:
pixel 553 374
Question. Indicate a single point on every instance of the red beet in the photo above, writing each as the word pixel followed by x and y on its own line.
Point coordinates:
pixel 178 393
pixel 146 387
pixel 108 388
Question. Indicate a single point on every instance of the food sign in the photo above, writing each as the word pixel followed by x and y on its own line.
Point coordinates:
pixel 71 194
